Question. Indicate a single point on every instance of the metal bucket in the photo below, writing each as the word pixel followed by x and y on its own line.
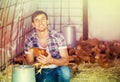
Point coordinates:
pixel 23 73
pixel 69 33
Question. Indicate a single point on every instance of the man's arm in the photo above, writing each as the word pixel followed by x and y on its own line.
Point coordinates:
pixel 64 60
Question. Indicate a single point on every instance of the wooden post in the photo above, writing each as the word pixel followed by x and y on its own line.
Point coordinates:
pixel 85 19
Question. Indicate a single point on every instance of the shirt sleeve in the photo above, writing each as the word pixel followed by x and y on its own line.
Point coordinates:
pixel 61 41
pixel 27 44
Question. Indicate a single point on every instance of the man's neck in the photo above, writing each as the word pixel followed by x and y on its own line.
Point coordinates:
pixel 43 34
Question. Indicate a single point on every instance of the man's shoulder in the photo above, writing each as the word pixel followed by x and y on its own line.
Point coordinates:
pixel 54 32
pixel 31 35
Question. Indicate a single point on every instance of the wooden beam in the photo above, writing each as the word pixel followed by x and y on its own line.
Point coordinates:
pixel 85 19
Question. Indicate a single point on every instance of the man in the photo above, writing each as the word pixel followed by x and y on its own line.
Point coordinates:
pixel 56 69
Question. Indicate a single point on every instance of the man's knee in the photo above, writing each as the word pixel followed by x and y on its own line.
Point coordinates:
pixel 64 74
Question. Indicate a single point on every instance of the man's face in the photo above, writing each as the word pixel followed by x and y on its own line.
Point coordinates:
pixel 40 22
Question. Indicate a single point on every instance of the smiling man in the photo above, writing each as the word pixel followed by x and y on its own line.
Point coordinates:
pixel 55 68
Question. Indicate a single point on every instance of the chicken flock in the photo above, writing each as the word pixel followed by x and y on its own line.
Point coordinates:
pixel 105 53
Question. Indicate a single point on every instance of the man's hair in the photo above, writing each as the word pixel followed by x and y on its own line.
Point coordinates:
pixel 36 13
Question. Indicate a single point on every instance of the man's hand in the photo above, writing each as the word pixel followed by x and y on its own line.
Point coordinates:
pixel 45 60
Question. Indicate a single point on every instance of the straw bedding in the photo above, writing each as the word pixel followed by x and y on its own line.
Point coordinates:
pixel 82 73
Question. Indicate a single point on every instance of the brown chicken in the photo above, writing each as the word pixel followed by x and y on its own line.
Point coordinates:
pixel 84 57
pixel 35 51
pixel 104 60
pixel 104 48
pixel 72 56
pixel 115 49
pixel 71 51
pixel 20 60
